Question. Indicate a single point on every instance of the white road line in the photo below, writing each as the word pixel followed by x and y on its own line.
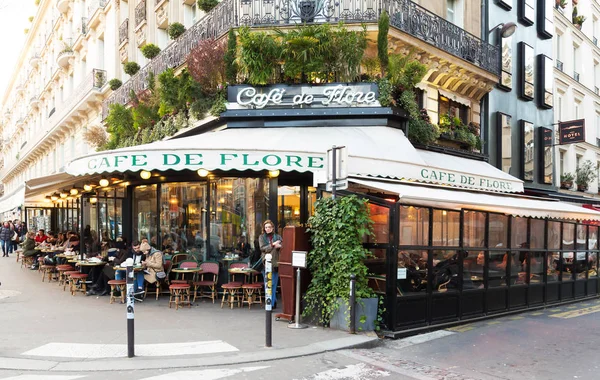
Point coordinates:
pixel 350 372
pixel 42 377
pixel 83 350
pixel 205 374
pixel 418 339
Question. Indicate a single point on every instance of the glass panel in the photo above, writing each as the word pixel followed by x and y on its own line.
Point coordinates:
pixel 312 198
pixel 581 236
pixel 553 235
pixel 414 225
pixel 518 268
pixel 473 264
pixel 566 266
pixel 548 18
pixel 592 264
pixel 528 151
pixel 529 10
pixel 376 262
pixel 553 266
pixel 497 268
pixel 414 278
pixel 117 218
pixel 538 229
pixel 239 206
pixel 568 238
pixel 548 79
pixel 536 267
pixel 145 214
pixel 182 218
pixel 498 235
pixel 474 229
pixel 506 133
pixel 548 160
pixel 507 64
pixel 593 238
pixel 446 228
pixel 288 206
pixel 445 271
pixel 528 70
pixel 380 216
pixel 580 266
pixel 518 230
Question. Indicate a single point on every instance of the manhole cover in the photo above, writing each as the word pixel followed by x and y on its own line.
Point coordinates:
pixel 8 293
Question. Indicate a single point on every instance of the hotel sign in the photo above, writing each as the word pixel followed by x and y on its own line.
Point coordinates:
pixel 571 132
pixel 303 96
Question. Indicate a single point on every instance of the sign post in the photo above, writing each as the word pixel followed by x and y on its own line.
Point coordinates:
pixel 298 261
pixel 337 171
pixel 130 312
pixel 268 299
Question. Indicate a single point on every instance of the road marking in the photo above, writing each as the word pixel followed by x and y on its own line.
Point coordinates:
pixel 464 328
pixel 8 293
pixel 205 374
pixel 350 372
pixel 537 313
pixel 42 377
pixel 577 313
pixel 418 339
pixel 494 323
pixel 516 318
pixel 84 350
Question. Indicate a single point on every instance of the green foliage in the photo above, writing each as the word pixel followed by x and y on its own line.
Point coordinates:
pixel 567 177
pixel 404 72
pixel 200 107
pixel 207 5
pixel 119 124
pixel 385 92
pixel 231 69
pixel 259 56
pixel 585 173
pixel 343 53
pixel 422 132
pixel 150 51
pixel 371 67
pixel 145 115
pixel 407 101
pixel 176 93
pixel 115 84
pixel 337 229
pixel 131 68
pixel 382 41
pixel 175 30
pixel 219 105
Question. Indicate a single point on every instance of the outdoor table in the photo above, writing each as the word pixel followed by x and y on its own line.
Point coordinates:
pixel 245 271
pixel 182 271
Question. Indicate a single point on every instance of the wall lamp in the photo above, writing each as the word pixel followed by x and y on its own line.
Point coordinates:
pixel 507 29
pixel 74 191
pixel 103 182
pixel 54 196
pixel 273 173
pixel 87 187
pixel 203 172
pixel 145 174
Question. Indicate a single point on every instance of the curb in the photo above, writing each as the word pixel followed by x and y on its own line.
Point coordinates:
pixel 169 362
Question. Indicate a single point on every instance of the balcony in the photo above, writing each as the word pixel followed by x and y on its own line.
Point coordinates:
pixel 34 102
pixel 83 27
pixel 188 2
pixel 62 6
pixel 559 65
pixel 162 14
pixel 95 8
pixel 576 76
pixel 444 41
pixel 34 60
pixel 64 56
pixel 124 32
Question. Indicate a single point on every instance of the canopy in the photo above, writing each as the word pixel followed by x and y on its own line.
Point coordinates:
pixel 506 204
pixel 37 188
pixel 372 151
pixel 13 200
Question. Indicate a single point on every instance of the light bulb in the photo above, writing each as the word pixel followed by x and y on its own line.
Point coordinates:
pixel 203 172
pixel 103 182
pixel 273 173
pixel 145 174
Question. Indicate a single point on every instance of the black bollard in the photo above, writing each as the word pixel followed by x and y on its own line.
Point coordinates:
pixel 130 313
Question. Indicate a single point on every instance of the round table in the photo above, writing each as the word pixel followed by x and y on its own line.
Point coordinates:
pixel 245 271
pixel 183 271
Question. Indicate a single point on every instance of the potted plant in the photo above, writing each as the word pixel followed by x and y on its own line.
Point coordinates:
pixel 585 174
pixel 337 229
pixel 566 180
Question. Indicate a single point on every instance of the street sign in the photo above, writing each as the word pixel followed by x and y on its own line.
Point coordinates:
pixel 337 168
pixel 570 132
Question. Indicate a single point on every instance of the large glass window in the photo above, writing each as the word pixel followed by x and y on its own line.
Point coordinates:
pixel 183 218
pixel 547 137
pixel 414 225
pixel 288 203
pixel 445 271
pixel 145 214
pixel 412 271
pixel 497 268
pixel 518 233
pixel 473 273
pixel 380 216
pixel 239 206
pixel 446 228
pixel 474 233
pixel 538 231
pixel 505 142
pixel 527 68
pixel 498 235
pixel 507 64
pixel 528 150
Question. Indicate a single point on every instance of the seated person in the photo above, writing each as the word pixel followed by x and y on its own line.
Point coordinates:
pixel 29 248
pixel 51 239
pixel 153 263
pixel 41 236
pixel 100 286
pixel 137 255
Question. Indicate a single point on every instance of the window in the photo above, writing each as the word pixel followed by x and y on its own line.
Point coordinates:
pixel 451 10
pixel 506 4
pixel 528 150
pixel 414 226
pixel 546 83
pixel 576 62
pixel 547 156
pixel 507 65
pixel 562 162
pixel 576 108
pixel 504 156
pixel 527 11
pixel 546 23
pixel 527 69
pixel 449 107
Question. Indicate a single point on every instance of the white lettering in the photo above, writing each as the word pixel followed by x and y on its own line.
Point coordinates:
pixel 339 95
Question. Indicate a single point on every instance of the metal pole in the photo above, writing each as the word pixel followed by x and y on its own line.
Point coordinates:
pixel 268 300
pixel 334 170
pixel 352 304
pixel 130 313
pixel 297 324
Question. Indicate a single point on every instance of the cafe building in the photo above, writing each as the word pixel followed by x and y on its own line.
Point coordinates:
pixel 454 237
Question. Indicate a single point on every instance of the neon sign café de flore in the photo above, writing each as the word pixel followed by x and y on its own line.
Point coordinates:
pixel 208 189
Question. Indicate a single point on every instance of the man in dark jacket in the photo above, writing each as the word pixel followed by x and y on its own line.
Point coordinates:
pixel 6 234
pixel 100 286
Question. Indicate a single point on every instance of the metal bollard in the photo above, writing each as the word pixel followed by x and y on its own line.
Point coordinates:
pixel 297 324
pixel 130 313
pixel 352 304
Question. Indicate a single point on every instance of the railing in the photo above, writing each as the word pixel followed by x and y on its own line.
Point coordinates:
pixel 576 76
pixel 559 65
pixel 404 15
pixel 596 90
pixel 94 5
pixel 84 27
pixel 595 41
pixel 90 83
pixel 140 13
pixel 597 142
pixel 124 31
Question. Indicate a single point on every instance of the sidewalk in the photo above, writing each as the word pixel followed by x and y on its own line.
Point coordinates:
pixel 41 323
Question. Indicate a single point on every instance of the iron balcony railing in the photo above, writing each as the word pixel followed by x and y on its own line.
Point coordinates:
pixel 94 6
pixel 596 90
pixel 559 65
pixel 576 76
pixel 124 31
pixel 84 26
pixel 140 13
pixel 595 40
pixel 405 16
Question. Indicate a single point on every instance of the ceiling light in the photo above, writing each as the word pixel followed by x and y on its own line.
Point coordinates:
pixel 203 172
pixel 74 191
pixel 145 174
pixel 55 196
pixel 273 173
pixel 93 200
pixel 64 194
pixel 103 182
pixel 47 199
pixel 87 187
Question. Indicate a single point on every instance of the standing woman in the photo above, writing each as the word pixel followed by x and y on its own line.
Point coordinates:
pixel 6 234
pixel 270 242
